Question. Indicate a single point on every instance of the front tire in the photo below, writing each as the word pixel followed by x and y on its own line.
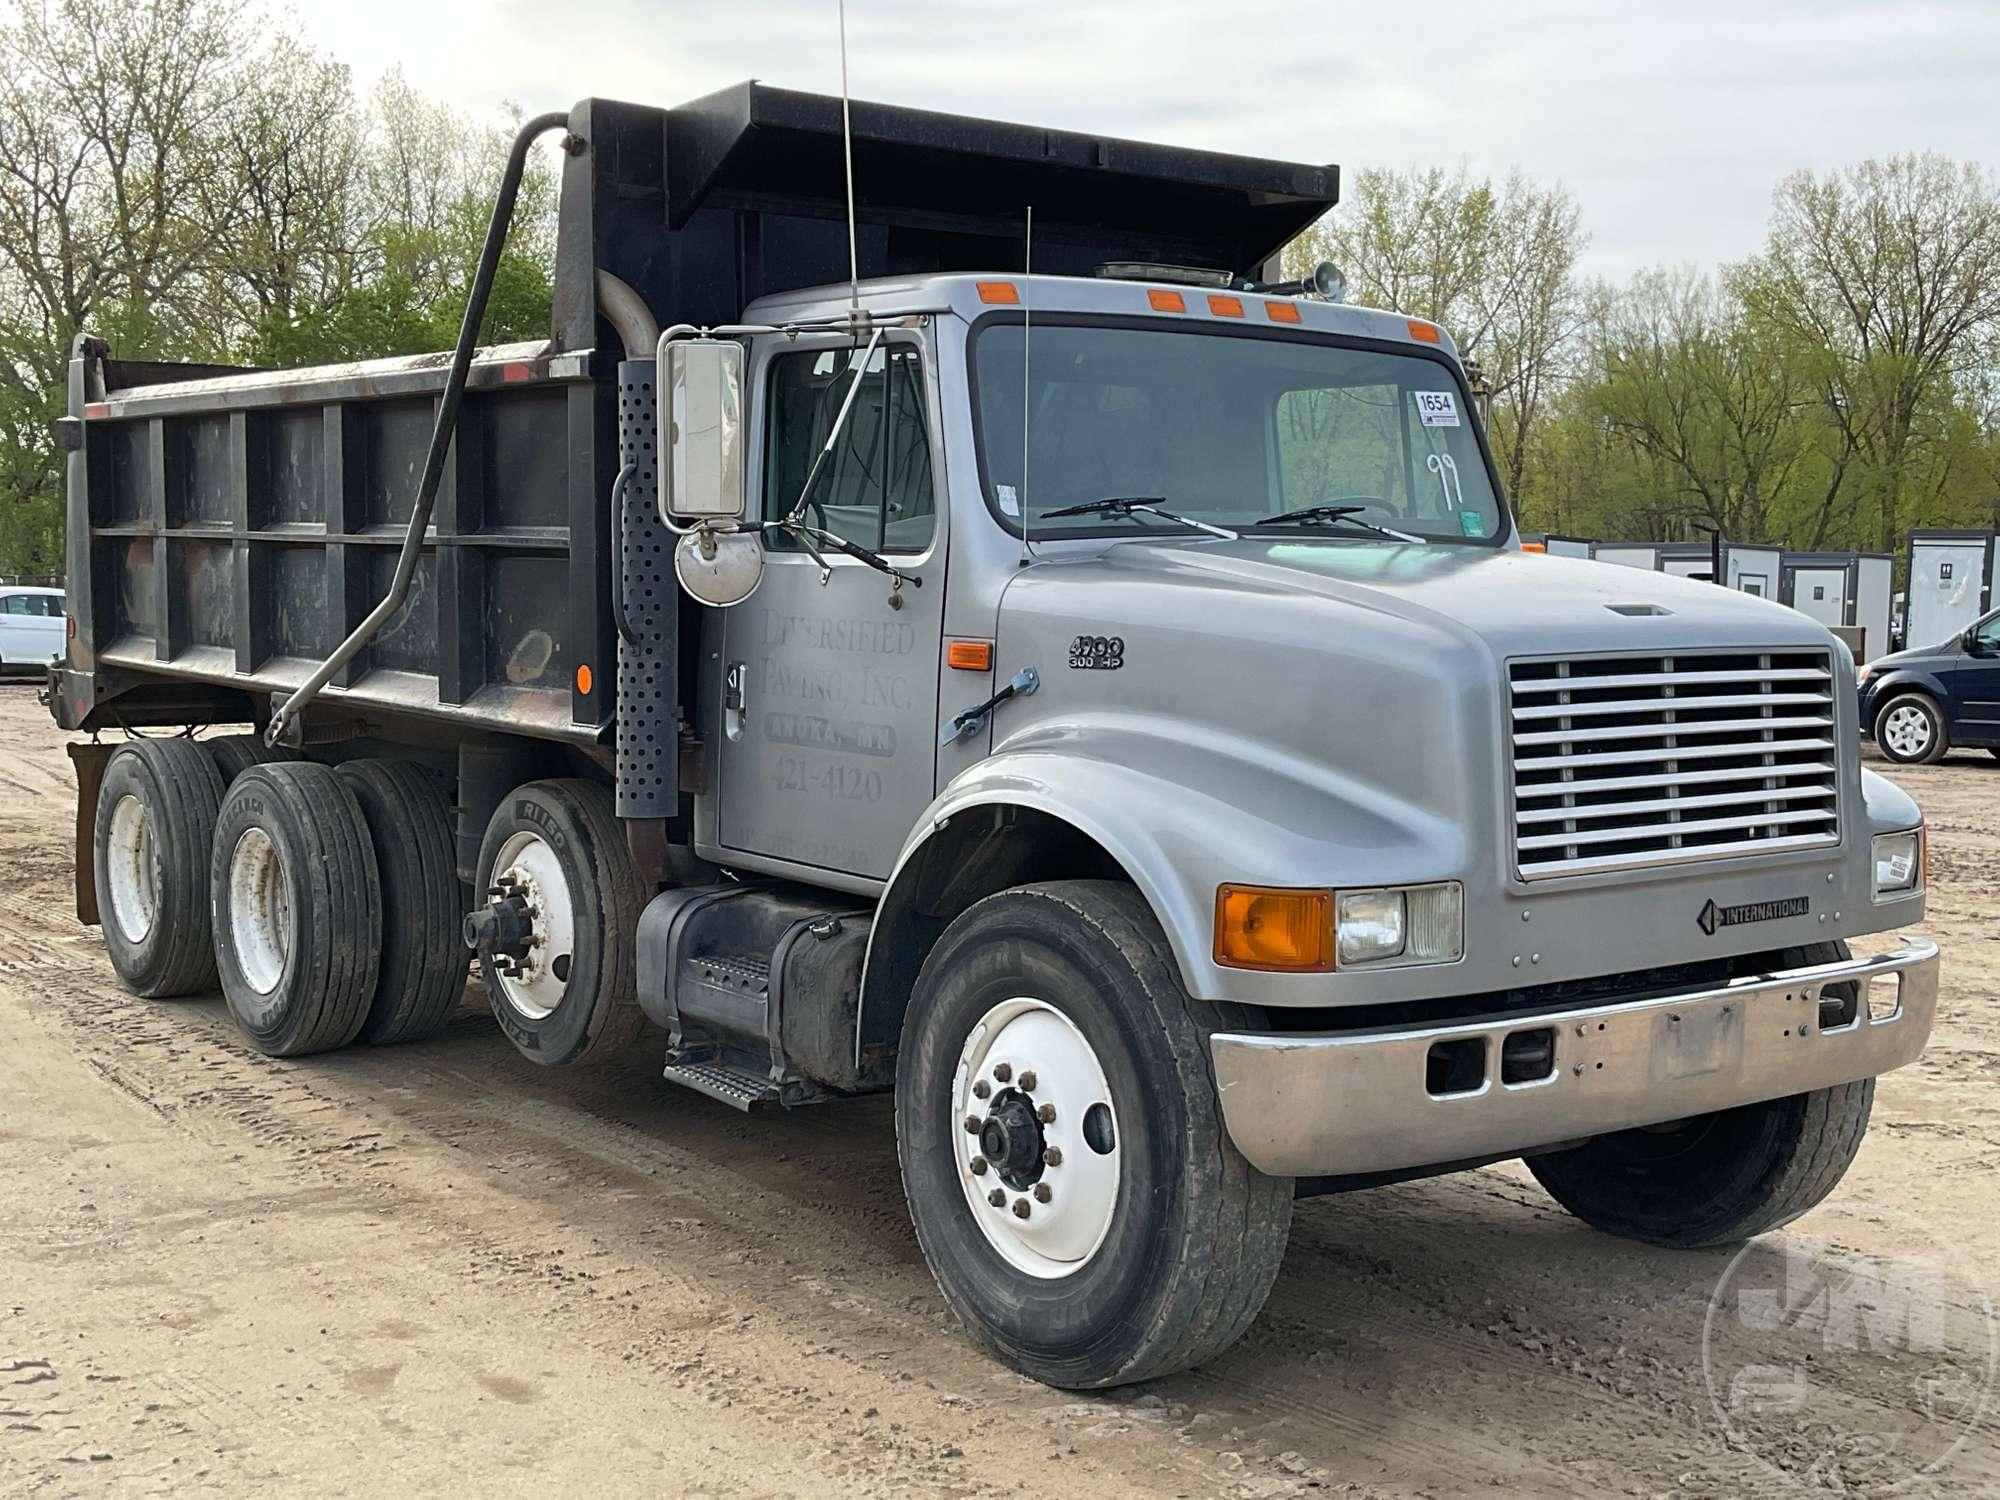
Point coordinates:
pixel 1910 731
pixel 1053 1016
pixel 1721 1178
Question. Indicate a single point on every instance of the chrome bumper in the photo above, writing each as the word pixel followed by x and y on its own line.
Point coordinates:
pixel 1333 1103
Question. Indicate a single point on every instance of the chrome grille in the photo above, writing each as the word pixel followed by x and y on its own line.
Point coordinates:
pixel 1644 760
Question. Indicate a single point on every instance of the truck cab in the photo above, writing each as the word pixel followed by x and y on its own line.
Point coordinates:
pixel 1109 707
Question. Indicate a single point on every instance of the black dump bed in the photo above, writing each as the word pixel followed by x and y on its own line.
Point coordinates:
pixel 228 528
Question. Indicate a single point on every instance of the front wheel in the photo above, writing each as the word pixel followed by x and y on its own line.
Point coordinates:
pixel 1910 730
pixel 1716 1179
pixel 1073 1188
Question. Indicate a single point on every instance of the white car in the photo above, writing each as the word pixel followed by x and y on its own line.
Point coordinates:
pixel 31 627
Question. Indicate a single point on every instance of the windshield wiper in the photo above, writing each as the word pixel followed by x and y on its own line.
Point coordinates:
pixel 1344 514
pixel 1128 505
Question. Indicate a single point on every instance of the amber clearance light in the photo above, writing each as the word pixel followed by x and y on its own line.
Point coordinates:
pixel 1264 927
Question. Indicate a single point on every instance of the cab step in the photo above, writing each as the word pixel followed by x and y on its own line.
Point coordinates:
pixel 737 1087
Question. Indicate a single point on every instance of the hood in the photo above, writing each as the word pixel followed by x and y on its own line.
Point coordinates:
pixel 1516 603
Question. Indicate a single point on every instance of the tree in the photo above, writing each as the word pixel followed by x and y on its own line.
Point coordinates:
pixel 1494 267
pixel 1890 273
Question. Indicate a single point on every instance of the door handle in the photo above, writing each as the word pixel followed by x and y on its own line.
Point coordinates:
pixel 734 677
pixel 1020 685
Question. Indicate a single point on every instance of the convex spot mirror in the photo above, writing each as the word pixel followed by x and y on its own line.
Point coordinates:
pixel 701 430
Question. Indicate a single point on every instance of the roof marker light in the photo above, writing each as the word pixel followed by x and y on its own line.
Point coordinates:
pixel 1422 332
pixel 1282 312
pixel 1165 301
pixel 1004 292
pixel 1225 307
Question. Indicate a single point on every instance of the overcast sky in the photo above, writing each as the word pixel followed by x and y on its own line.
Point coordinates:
pixel 1670 122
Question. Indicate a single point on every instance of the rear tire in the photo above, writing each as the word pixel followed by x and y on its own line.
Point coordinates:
pixel 298 908
pixel 1911 731
pixel 156 812
pixel 1721 1178
pixel 236 753
pixel 421 977
pixel 1157 1243
pixel 576 999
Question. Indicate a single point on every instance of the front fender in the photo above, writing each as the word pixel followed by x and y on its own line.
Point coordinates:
pixel 1901 680
pixel 1183 811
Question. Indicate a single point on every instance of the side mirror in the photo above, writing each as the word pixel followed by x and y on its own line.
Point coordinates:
pixel 701 430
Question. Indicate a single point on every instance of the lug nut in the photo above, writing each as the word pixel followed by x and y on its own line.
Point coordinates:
pixel 997 1198
pixel 1028 1082
pixel 1052 1156
pixel 981 1089
pixel 1004 1072
pixel 1021 1209
pixel 1042 1194
pixel 1046 1114
pixel 978 1166
pixel 972 1124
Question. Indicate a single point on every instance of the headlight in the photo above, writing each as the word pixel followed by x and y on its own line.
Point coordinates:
pixel 1399 925
pixel 1899 863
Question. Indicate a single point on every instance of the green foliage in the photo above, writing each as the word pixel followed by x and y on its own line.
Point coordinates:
pixel 186 182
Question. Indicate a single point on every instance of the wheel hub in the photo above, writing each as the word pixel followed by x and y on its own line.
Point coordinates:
pixel 1011 1140
pixel 527 929
pixel 1037 1151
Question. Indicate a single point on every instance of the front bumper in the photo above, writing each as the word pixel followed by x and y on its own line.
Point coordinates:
pixel 1313 1104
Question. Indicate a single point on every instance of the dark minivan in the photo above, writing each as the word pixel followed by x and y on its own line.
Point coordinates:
pixel 1920 702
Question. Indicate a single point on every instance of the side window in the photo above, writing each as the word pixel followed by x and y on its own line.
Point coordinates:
pixel 14 604
pixel 875 486
pixel 1343 443
pixel 46 605
pixel 1987 637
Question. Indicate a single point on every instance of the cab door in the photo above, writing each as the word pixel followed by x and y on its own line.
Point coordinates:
pixel 829 676
pixel 1975 684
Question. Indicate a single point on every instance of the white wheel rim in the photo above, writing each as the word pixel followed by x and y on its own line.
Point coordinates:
pixel 260 910
pixel 132 870
pixel 1907 730
pixel 532 986
pixel 1052 1218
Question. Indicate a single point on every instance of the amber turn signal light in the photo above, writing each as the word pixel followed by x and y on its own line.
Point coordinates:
pixel 1263 927
pixel 969 656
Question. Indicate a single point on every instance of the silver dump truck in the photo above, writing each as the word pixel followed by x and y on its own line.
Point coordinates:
pixel 1073 678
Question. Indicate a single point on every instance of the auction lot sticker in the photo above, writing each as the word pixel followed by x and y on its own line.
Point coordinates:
pixel 1850 1373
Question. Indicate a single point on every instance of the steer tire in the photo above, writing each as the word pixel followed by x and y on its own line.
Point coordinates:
pixel 149 850
pixel 1194 1235
pixel 1716 1179
pixel 298 908
pixel 589 1012
pixel 421 977
pixel 1935 743
pixel 236 753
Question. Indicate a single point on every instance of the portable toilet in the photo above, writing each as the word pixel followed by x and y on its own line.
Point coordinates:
pixel 1687 559
pixel 1845 591
pixel 1753 568
pixel 1629 554
pixel 1951 583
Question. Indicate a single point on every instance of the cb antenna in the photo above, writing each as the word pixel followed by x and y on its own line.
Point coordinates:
pixel 1027 295
pixel 847 156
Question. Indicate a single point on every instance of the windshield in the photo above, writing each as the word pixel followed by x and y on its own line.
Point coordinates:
pixel 1229 430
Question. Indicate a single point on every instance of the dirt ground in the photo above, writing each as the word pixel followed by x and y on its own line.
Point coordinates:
pixel 438 1267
